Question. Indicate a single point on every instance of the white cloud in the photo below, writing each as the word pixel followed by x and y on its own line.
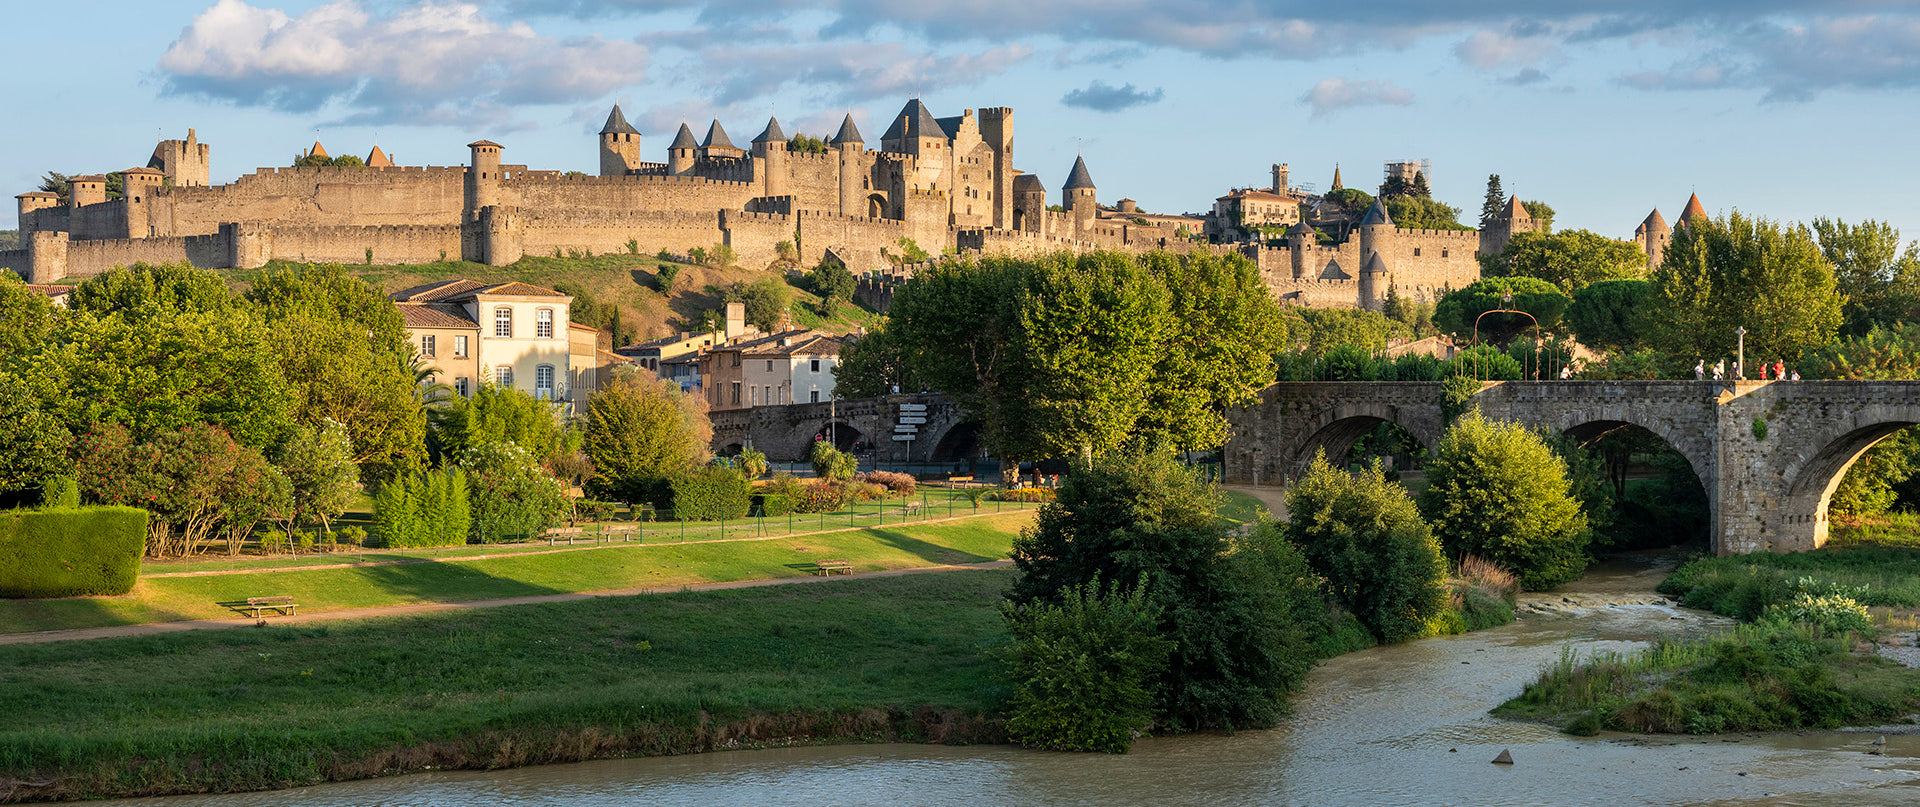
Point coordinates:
pixel 845 72
pixel 430 62
pixel 1491 50
pixel 1339 93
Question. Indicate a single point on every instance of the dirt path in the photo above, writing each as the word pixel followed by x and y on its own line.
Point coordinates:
pixel 154 628
pixel 1273 498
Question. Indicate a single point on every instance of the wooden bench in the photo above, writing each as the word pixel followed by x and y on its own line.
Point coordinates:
pixel 624 532
pixel 570 533
pixel 831 565
pixel 964 480
pixel 284 604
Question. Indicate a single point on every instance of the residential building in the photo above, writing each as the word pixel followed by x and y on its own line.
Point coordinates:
pixel 512 334
pixel 775 370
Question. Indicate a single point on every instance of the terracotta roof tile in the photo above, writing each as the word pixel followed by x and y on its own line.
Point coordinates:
pixel 435 291
pixel 435 315
pixel 519 289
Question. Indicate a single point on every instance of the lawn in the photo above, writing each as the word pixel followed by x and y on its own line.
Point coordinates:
pixel 602 567
pixel 1242 508
pixel 255 708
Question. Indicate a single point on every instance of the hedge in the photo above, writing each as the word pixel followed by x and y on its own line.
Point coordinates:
pixel 71 552
pixel 712 493
pixel 772 504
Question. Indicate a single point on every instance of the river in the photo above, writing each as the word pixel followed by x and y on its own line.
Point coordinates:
pixel 1401 725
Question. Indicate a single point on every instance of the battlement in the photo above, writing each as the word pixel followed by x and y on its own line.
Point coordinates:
pixel 562 179
pixel 1463 236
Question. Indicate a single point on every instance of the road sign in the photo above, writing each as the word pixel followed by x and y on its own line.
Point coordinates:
pixel 903 438
pixel 906 429
pixel 914 419
pixel 913 407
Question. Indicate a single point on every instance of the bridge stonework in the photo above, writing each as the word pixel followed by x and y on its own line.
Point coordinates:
pixel 785 433
pixel 1768 454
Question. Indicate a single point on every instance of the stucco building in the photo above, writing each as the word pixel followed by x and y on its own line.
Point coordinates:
pixel 511 334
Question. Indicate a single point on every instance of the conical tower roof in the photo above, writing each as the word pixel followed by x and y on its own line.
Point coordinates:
pixel 1692 209
pixel 1375 264
pixel 684 140
pixel 378 159
pixel 1376 215
pixel 1336 178
pixel 317 150
pixel 772 133
pixel 617 123
pixel 717 137
pixel 1516 210
pixel 919 123
pixel 848 132
pixel 1078 178
pixel 1654 223
pixel 1300 228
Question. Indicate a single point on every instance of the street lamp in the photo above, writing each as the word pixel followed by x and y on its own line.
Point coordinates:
pixel 1740 357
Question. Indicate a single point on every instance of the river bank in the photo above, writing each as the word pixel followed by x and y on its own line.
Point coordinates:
pixel 1397 725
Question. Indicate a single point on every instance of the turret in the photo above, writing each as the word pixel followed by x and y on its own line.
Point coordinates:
pixel 1514 219
pixel 1336 179
pixel 1280 178
pixel 483 176
pixel 86 190
pixel 138 184
pixel 770 156
pixel 318 151
pixel 1376 231
pixel 996 130
pixel 378 159
pixel 30 203
pixel 849 147
pixel 718 144
pixel 682 152
pixel 1078 197
pixel 1692 211
pixel 1300 239
pixel 1653 235
pixel 619 145
pixel 1375 280
pixel 1029 204
pixel 183 161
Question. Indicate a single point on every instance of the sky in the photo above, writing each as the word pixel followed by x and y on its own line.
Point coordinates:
pixel 1604 109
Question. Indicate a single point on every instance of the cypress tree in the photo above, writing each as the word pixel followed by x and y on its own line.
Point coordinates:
pixel 459 515
pixel 1496 200
pixel 1420 189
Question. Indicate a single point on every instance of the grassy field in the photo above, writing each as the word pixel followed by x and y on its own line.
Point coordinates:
pixel 1742 586
pixel 610 566
pixel 629 281
pixel 1242 508
pixel 257 708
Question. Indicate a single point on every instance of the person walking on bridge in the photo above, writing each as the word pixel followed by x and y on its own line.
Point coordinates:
pixel 1700 370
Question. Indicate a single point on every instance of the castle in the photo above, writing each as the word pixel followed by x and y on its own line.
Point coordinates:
pixel 944 184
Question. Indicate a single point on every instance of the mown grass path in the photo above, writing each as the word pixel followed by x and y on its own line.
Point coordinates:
pixel 599 568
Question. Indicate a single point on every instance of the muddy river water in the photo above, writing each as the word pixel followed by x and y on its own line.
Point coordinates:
pixel 1403 725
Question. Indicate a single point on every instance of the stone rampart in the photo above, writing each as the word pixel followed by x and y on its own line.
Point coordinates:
pixel 386 243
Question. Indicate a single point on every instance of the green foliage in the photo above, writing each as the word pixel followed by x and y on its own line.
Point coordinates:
pixel 1422 213
pixel 26 316
pixel 1084 671
pixel 318 464
pixel 1494 203
pixel 431 509
pixel 196 482
pixel 1884 353
pixel 806 144
pixel 1570 259
pixel 1604 314
pixel 1496 491
pixel 1629 365
pixel 59 493
pixel 1091 331
pixel 1352 200
pixel 873 365
pixel 509 495
pixel 1455 394
pixel 1867 489
pixel 1459 311
pixel 1718 275
pixel 832 282
pixel 640 433
pixel 494 414
pixel 766 298
pixel 664 276
pixel 753 462
pixel 33 442
pixel 1222 332
pixel 1365 537
pixel 146 290
pixel 71 552
pixel 1541 211
pixel 1484 363
pixel 910 253
pixel 831 463
pixel 1881 280
pixel 1416 315
pixel 1832 613
pixel 711 493
pixel 1325 328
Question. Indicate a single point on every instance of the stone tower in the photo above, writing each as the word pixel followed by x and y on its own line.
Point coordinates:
pixel 86 190
pixel 1029 204
pixel 1376 236
pixel 619 145
pixel 1514 219
pixel 1280 178
pixel 718 144
pixel 1078 197
pixel 479 216
pixel 1692 211
pixel 850 149
pixel 1653 235
pixel 770 156
pixel 1300 238
pixel 185 162
pixel 996 130
pixel 682 152
pixel 1375 279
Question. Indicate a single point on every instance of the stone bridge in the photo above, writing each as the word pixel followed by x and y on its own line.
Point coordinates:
pixel 786 433
pixel 1768 454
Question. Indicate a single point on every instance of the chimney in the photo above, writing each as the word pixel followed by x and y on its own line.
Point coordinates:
pixel 736 319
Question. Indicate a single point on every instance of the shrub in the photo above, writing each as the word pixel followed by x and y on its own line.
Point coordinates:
pixel 430 509
pixel 1084 671
pixel 866 491
pixel 73 552
pixel 1833 613
pixel 59 493
pixel 590 510
pixel 354 536
pixel 754 463
pixel 830 463
pixel 772 505
pixel 822 496
pixel 896 483
pixel 711 493
pixel 1497 491
pixel 1364 536
pixel 784 484
pixel 1023 495
pixel 509 494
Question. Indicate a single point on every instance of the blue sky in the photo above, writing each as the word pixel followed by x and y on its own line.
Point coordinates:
pixel 1602 108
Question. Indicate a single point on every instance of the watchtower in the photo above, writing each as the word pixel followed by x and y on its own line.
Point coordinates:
pixel 770 155
pixel 996 130
pixel 683 152
pixel 619 145
pixel 849 147
pixel 1078 197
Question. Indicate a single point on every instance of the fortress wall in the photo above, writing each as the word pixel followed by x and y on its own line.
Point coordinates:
pixel 607 231
pixel 86 258
pixel 1447 258
pixel 927 220
pixel 319 196
pixel 753 235
pixel 1317 293
pixel 724 169
pixel 46 219
pixel 814 181
pixel 632 192
pixel 17 260
pixel 855 238
pixel 349 244
pixel 107 219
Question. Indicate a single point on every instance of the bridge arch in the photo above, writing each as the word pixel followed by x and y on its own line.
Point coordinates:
pixel 1589 424
pixel 1817 465
pixel 958 441
pixel 1337 429
pixel 841 431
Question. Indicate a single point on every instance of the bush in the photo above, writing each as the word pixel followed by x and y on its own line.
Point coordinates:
pixel 1364 536
pixel 1833 613
pixel 830 463
pixel 713 493
pixel 896 483
pixel 509 494
pixel 431 509
pixel 822 496
pixel 590 510
pixel 71 552
pixel 1023 495
pixel 866 491
pixel 59 493
pixel 772 505
pixel 1497 491
pixel 1084 671
pixel 754 463
pixel 354 536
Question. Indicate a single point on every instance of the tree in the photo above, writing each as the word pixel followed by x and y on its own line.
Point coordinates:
pixel 1223 329
pixel 958 326
pixel 1460 311
pixel 1327 327
pixel 767 299
pixel 318 464
pixel 1734 272
pixel 26 317
pixel 147 289
pixel 1880 279
pixel 33 443
pixel 664 276
pixel 873 364
pixel 640 433
pixel 496 414
pixel 1605 314
pixel 57 183
pixel 509 495
pixel 1421 213
pixel 1084 670
pixel 1364 535
pixel 1352 200
pixel 1419 187
pixel 1495 202
pixel 831 463
pixel 833 283
pixel 806 144
pixel 1092 330
pixel 1541 212
pixel 195 482
pixel 1498 492
pixel 1571 260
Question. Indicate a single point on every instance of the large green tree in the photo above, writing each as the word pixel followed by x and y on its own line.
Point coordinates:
pixel 1498 492
pixel 1605 314
pixel 960 330
pixel 146 289
pixel 26 317
pixel 1421 213
pixel 873 364
pixel 1092 330
pixel 1721 274
pixel 33 443
pixel 1494 203
pixel 640 433
pixel 321 478
pixel 1878 274
pixel 1570 259
pixel 494 414
pixel 1218 350
pixel 1461 311
pixel 1364 535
